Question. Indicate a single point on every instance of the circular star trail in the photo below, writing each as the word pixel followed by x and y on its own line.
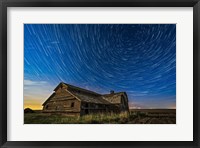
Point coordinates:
pixel 139 59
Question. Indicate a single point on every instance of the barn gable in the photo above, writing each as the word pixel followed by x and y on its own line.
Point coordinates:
pixel 115 98
pixel 60 94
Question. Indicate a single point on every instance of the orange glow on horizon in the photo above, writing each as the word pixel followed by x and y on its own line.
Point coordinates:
pixel 33 104
pixel 34 107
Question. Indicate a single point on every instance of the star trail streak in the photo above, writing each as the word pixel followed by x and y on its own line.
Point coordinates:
pixel 137 58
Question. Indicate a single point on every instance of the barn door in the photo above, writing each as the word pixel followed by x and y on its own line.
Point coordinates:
pixel 86 110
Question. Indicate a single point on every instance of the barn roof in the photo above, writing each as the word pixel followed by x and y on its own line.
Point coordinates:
pixel 89 96
pixel 112 94
pixel 77 88
pixel 113 97
pixel 52 95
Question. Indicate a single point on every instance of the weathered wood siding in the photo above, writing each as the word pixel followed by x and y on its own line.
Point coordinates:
pixel 62 102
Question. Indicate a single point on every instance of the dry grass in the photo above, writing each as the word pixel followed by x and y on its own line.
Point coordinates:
pixel 122 118
pixel 42 118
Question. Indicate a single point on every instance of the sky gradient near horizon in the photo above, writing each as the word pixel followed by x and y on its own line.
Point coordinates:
pixel 139 59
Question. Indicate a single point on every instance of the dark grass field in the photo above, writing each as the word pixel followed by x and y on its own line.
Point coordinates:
pixel 136 116
pixel 153 116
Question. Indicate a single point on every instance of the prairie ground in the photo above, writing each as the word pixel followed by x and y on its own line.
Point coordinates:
pixel 139 116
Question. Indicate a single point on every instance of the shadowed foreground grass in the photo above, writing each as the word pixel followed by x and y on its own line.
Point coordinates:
pixel 123 118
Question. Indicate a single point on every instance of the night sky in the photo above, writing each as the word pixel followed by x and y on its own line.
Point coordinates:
pixel 139 59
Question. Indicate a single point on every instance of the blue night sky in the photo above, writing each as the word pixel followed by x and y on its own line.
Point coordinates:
pixel 139 59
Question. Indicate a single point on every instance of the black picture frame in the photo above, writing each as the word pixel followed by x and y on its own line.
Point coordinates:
pixel 4 4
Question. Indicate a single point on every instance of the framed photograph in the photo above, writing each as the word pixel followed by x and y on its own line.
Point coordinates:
pixel 99 73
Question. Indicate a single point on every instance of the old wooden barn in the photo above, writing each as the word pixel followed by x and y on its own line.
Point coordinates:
pixel 73 100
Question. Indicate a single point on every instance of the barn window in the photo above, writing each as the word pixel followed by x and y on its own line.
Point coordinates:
pixel 72 104
pixel 46 106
